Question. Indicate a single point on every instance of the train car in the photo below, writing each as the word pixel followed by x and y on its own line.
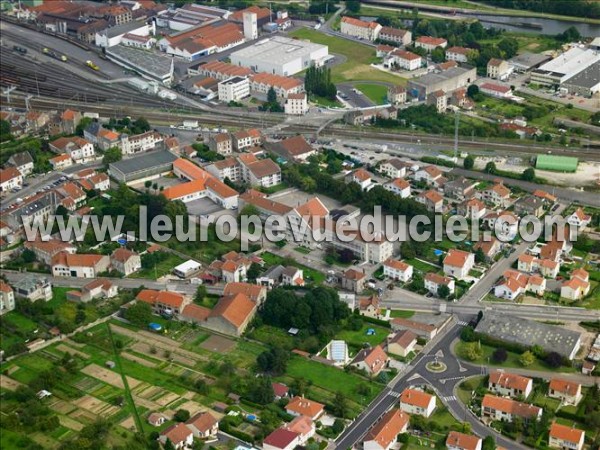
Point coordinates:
pixel 91 65
pixel 20 50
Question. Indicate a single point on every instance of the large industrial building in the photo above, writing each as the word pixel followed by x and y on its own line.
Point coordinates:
pixel 150 65
pixel 447 81
pixel 280 56
pixel 527 61
pixel 565 66
pixel 141 168
pixel 586 82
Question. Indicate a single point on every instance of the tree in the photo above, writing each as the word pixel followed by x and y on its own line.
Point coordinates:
pixel 527 359
pixel 491 168
pixel 473 351
pixel 473 91
pixel 443 291
pixel 5 131
pixel 438 55
pixel 273 361
pixel 140 126
pixel 254 271
pixel 181 415
pixel 528 174
pixel 509 46
pixel 353 6
pixel 261 391
pixel 340 407
pixel 407 251
pixel 271 96
pixel 468 334
pixel 479 255
pixel 554 360
pixel 200 294
pixel 147 184
pixel 28 255
pixel 488 443
pixel 139 314
pixel 202 386
pixel 112 155
pixel 499 356
pixel 469 162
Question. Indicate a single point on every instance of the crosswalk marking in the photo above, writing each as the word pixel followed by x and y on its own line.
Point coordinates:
pixel 394 394
pixel 463 323
pixel 452 379
pixel 450 398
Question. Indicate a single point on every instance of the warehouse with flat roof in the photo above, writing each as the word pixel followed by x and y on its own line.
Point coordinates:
pixel 565 66
pixel 150 65
pixel 586 82
pixel 148 166
pixel 528 61
pixel 280 55
pixel 556 163
pixel 528 333
pixel 447 81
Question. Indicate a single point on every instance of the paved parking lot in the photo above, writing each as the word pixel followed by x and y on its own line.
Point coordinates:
pixel 203 206
pixel 358 100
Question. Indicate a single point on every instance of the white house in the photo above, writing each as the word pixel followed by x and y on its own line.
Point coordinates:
pixel 361 177
pixel 458 54
pixel 359 28
pixel 417 402
pixel 506 409
pixel 458 263
pixel 384 433
pixel 398 186
pixel 179 434
pixel 397 270
pixel 510 385
pixel 430 43
pixel 566 437
pixel 433 281
pixel 296 104
pixel 579 218
pixel 461 441
pixel 568 392
pixel 404 59
pixel 394 168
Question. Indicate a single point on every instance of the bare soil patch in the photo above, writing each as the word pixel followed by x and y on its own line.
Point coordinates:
pixel 9 383
pixel 218 344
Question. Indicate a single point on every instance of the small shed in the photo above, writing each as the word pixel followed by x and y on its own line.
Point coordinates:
pixel 110 364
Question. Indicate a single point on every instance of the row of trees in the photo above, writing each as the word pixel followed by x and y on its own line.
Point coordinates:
pixel 317 81
pixel 574 8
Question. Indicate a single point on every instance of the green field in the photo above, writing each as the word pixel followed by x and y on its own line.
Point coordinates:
pixel 376 93
pixel 359 338
pixel 358 57
pixel 310 275
pixel 163 268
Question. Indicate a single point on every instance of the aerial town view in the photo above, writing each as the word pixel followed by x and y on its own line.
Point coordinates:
pixel 300 225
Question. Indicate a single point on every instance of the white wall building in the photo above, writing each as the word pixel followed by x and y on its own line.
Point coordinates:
pixel 234 89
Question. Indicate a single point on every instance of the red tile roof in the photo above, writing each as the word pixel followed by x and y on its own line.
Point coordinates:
pixel 171 299
pixel 235 309
pixel 565 433
pixel 280 438
pixel 509 406
pixel 387 429
pixel 456 258
pixel 416 398
pixel 305 407
pixel 509 380
pixel 565 386
pixel 463 441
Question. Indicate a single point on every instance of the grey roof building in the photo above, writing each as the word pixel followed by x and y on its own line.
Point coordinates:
pixel 529 333
pixel 447 81
pixel 528 61
pixel 586 82
pixel 147 166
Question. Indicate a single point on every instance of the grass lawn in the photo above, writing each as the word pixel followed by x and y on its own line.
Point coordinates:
pixel 303 250
pixel 163 268
pixel 325 102
pixel 207 251
pixel 511 362
pixel 402 313
pixel 358 338
pixel 466 388
pixel 376 93
pixel 421 265
pixel 330 378
pixel 359 57
pixel 274 189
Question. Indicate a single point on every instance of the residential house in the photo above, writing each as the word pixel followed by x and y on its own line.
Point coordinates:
pixel 45 250
pixel 473 209
pixel 428 174
pixel 402 343
pixel 204 425
pixel 384 433
pixel 296 104
pixel 100 182
pixel 394 168
pixel 361 29
pixel 179 434
pixel 33 287
pixel 413 401
pixel 497 195
pixel 425 330
pixel 371 360
pixel 156 419
pixel 232 314
pixel 23 162
pixel 261 83
pixel 566 437
pixel 458 54
pixel 461 441
pixel 438 99
pixel 579 218
pixel 61 162
pixel 304 426
pixel 65 264
pixel 398 186
pixel 433 282
pixel 257 294
pixel 397 270
pixel 131 145
pixel 506 409
pixel 529 205
pixel 7 298
pixel 10 179
pixel 460 188
pixel 490 248
pixel 220 143
pixel 300 406
pixel 98 288
pixel 306 219
pixel 496 90
pixel 69 120
pixel 293 149
pixel 232 268
pixel 513 284
pixel 259 172
pixel 403 59
pixel 433 200
pixel 509 385
pixel 36 120
pixel 245 139
pixel 536 285
pixel 458 263
pixel 125 261
pixel 389 34
pixel 281 391
pixel 383 50
pixel 353 280
pixel 568 392
pixel 498 69
pixel 574 289
pixel 74 192
pixel 79 149
pixel 360 177
pixel 292 276
pixel 281 439
pixel 396 95
pixel 430 43
pixel 163 302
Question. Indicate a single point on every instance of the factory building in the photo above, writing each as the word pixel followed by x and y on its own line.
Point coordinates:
pixel 447 81
pixel 148 166
pixel 280 56
pixel 565 66
pixel 150 65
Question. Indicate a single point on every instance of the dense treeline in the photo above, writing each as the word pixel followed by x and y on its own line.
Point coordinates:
pixel 317 81
pixel 574 8
pixel 310 179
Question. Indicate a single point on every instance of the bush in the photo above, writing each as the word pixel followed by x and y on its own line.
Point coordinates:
pixel 500 355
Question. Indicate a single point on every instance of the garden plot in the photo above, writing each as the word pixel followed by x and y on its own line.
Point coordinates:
pixel 218 344
pixel 8 383
pixel 108 376
pixel 96 406
pixel 83 416
pixel 61 406
pixel 143 361
pixel 128 423
pixel 66 349
pixel 70 423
